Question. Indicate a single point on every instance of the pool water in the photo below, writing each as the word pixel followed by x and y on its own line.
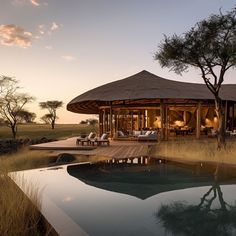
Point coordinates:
pixel 135 197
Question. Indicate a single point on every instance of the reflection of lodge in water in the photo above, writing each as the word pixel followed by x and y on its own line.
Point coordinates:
pixel 143 177
pixel 145 101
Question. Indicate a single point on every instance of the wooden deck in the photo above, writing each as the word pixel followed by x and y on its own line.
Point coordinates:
pixel 117 149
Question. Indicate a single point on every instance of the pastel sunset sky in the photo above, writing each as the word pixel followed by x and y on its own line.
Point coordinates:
pixel 59 49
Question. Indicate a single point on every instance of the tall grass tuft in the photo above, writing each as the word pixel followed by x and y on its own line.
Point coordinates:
pixel 196 150
pixel 25 159
pixel 18 214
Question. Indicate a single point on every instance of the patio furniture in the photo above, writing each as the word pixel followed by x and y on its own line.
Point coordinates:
pixel 87 139
pixel 120 134
pixel 103 140
pixel 233 133
pixel 185 130
pixel 148 136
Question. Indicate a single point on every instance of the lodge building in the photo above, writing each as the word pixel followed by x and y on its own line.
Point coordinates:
pixel 145 101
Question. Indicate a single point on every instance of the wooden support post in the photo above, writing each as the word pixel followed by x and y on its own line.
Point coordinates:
pixel 111 122
pixel 233 114
pixel 185 118
pixel 104 122
pixel 132 122
pixel 100 122
pixel 226 114
pixel 198 121
pixel 164 121
pixel 138 120
pixel 115 124
pixel 143 119
pixel 107 122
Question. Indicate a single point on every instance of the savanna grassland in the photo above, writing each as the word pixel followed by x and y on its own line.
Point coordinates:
pixel 204 150
pixel 34 131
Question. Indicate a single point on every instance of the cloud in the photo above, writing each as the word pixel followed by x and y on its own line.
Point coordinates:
pixel 48 47
pixel 47 29
pixel 35 2
pixel 69 58
pixel 54 26
pixel 41 29
pixel 11 35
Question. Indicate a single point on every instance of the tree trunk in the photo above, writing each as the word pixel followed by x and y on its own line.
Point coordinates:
pixel 13 130
pixel 220 112
pixel 53 124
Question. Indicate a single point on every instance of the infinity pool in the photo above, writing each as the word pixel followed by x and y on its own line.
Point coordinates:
pixel 134 197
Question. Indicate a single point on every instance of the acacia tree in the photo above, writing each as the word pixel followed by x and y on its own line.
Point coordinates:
pixel 209 46
pixel 47 119
pixel 52 107
pixel 26 116
pixel 12 102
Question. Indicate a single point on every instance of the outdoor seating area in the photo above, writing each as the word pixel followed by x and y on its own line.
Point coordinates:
pixel 92 140
pixel 138 135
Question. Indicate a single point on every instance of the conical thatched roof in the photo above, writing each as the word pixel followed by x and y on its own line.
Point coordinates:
pixel 144 85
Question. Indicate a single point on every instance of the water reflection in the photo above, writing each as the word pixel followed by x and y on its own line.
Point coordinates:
pixel 142 177
pixel 212 216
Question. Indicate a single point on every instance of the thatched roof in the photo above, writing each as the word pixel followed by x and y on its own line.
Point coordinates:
pixel 144 85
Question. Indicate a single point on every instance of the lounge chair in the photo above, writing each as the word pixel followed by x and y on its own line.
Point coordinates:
pixel 87 139
pixel 233 133
pixel 120 134
pixel 102 140
pixel 148 136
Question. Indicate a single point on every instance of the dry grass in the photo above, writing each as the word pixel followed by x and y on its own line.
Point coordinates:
pixel 195 150
pixel 24 159
pixel 37 131
pixel 19 215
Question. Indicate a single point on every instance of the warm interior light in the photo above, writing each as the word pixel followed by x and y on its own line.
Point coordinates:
pixel 179 123
pixel 157 122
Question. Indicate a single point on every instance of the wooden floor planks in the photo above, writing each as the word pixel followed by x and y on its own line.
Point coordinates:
pixel 117 150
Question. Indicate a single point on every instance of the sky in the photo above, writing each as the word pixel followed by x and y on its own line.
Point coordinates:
pixel 59 49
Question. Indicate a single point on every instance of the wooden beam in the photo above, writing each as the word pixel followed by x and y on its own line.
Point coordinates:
pixel 198 121
pixel 185 117
pixel 226 113
pixel 111 122
pixel 100 122
pixel 164 121
pixel 104 122
pixel 233 116
pixel 132 122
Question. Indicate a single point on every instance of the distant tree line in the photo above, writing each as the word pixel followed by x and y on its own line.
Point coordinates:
pixel 89 122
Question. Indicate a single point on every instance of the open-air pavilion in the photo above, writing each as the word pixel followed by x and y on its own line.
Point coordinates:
pixel 145 101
